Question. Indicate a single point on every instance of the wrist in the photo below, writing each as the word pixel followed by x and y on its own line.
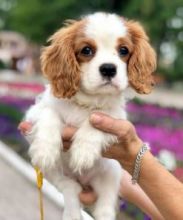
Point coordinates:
pixel 137 166
pixel 128 159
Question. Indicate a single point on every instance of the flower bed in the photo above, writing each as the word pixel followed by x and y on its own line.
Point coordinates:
pixel 161 127
pixel 11 113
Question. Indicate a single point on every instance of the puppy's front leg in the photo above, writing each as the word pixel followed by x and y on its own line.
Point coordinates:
pixel 70 189
pixel 87 145
pixel 46 145
pixel 72 209
pixel 106 184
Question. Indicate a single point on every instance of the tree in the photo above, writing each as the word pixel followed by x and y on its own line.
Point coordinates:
pixel 38 19
pixel 163 19
pixel 5 7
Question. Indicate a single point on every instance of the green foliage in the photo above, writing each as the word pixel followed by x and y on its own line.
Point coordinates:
pixel 2 65
pixel 12 113
pixel 38 19
pixel 156 16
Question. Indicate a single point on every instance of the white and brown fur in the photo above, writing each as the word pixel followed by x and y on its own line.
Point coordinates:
pixel 77 89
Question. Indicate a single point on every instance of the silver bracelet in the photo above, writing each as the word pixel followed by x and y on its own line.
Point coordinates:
pixel 145 147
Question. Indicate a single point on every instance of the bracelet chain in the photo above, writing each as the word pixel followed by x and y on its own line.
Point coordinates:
pixel 145 147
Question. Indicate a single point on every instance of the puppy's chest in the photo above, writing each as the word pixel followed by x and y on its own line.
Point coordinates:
pixel 75 117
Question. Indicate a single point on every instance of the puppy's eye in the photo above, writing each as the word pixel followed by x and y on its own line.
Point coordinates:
pixel 123 51
pixel 87 51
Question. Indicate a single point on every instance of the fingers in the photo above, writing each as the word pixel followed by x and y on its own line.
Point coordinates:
pixel 113 152
pixel 88 196
pixel 66 145
pixel 109 124
pixel 68 133
pixel 24 127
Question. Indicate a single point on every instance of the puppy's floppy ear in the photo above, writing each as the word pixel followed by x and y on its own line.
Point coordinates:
pixel 142 62
pixel 59 63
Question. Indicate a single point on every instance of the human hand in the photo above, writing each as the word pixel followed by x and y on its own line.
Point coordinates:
pixel 25 127
pixel 125 151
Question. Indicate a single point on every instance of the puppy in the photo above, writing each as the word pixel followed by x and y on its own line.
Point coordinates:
pixel 89 63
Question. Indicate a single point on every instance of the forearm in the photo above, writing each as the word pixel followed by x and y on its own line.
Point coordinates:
pixel 162 188
pixel 135 195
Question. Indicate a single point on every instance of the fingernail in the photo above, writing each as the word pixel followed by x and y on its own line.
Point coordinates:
pixel 95 118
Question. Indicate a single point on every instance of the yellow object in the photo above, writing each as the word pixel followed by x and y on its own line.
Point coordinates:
pixel 39 186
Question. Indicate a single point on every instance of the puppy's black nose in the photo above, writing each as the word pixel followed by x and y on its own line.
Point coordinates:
pixel 108 70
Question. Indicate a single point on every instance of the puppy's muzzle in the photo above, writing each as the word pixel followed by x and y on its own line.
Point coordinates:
pixel 108 70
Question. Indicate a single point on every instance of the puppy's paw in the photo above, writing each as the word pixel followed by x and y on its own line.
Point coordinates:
pixel 105 216
pixel 44 154
pixel 105 213
pixel 83 156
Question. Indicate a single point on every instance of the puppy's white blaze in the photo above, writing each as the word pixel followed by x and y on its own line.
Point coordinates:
pixel 105 27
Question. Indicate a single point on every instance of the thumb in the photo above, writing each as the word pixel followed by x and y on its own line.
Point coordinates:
pixel 107 124
pixel 25 127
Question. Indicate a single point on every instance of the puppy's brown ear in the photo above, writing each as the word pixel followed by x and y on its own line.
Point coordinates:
pixel 142 62
pixel 59 63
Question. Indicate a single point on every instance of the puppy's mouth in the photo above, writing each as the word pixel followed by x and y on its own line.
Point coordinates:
pixel 107 83
pixel 110 83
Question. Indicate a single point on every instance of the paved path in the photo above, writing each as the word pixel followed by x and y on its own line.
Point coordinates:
pixel 19 197
pixel 165 97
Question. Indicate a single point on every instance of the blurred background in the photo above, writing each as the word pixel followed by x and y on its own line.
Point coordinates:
pixel 24 28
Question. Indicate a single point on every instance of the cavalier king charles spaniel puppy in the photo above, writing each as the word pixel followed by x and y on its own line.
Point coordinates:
pixel 89 63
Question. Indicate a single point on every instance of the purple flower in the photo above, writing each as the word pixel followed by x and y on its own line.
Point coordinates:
pixel 21 104
pixel 161 127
